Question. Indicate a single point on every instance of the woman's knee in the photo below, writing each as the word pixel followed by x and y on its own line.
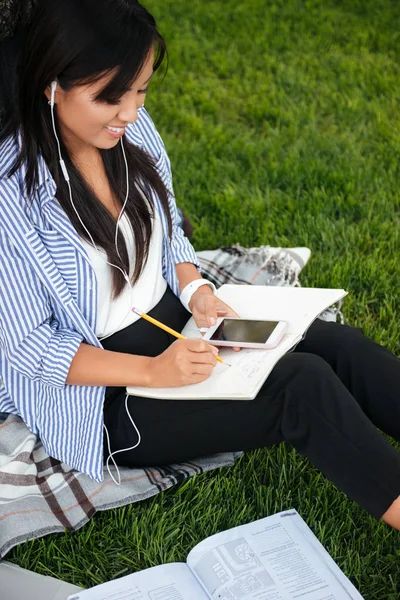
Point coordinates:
pixel 302 371
pixel 330 339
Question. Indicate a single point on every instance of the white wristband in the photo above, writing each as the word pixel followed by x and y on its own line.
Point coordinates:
pixel 191 288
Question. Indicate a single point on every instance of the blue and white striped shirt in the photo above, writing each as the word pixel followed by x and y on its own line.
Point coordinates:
pixel 48 300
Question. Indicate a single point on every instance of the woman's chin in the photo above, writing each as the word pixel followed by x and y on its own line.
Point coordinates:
pixel 106 144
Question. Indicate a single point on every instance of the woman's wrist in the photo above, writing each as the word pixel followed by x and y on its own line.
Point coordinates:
pixel 205 290
pixel 146 369
pixel 195 286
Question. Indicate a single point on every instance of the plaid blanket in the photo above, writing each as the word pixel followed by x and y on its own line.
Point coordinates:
pixel 39 495
pixel 262 265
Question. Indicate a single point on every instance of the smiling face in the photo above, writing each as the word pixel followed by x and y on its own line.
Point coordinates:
pixel 87 124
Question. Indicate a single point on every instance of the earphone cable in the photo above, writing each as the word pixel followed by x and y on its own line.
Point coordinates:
pixel 126 276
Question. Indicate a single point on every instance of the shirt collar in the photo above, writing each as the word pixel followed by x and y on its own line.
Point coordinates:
pixel 44 175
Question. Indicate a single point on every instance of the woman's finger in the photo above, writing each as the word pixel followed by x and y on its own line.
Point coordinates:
pixel 202 368
pixel 204 358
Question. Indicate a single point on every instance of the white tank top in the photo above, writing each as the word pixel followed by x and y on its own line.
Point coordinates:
pixel 115 314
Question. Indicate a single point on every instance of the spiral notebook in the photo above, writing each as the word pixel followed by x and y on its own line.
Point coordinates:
pixel 251 367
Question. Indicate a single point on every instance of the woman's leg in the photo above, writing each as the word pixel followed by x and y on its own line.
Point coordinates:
pixel 370 372
pixel 302 402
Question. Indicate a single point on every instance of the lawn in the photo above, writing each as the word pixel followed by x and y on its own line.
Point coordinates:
pixel 282 124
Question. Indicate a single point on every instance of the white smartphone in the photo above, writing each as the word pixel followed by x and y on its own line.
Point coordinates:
pixel 245 333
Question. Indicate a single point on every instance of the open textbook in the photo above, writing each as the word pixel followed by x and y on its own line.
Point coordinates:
pixel 275 558
pixel 251 367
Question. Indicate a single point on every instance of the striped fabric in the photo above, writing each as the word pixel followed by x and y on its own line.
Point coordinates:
pixel 48 300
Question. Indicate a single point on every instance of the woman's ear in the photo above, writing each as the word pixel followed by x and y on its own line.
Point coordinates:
pixel 50 92
pixel 47 93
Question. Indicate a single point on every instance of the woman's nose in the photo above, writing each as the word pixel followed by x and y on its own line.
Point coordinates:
pixel 128 112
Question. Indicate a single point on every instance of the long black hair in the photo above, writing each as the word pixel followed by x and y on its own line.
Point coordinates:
pixel 77 42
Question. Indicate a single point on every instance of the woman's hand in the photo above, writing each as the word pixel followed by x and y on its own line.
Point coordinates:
pixel 206 307
pixel 183 363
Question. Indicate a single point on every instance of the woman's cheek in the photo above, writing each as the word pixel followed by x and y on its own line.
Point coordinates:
pixel 102 116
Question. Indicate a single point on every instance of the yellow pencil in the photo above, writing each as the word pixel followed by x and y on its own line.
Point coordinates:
pixel 168 329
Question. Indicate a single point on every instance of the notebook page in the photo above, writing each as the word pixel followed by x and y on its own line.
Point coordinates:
pixel 269 559
pixel 298 306
pixel 165 582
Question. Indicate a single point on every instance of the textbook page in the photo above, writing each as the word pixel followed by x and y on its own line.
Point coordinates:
pixel 275 558
pixel 173 581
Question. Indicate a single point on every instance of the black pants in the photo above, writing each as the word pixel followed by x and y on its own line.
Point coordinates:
pixel 326 399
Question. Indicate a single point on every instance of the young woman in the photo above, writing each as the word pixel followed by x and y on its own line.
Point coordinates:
pixel 88 230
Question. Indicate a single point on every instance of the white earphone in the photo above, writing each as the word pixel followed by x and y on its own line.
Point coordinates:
pixel 126 276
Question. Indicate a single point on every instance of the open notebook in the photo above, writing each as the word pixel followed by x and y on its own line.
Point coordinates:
pixel 251 367
pixel 275 558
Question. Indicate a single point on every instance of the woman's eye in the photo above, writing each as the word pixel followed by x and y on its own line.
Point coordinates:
pixel 116 102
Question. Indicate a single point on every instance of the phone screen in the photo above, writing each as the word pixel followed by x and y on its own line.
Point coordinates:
pixel 243 330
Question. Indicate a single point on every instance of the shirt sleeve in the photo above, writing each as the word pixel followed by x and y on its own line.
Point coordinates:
pixel 182 250
pixel 31 339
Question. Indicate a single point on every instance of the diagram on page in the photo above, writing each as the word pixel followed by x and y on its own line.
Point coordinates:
pixel 270 559
pixel 232 571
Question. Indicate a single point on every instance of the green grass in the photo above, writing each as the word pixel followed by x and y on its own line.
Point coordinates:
pixel 282 123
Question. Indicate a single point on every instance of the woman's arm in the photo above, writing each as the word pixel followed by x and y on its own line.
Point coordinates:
pixel 179 365
pixel 95 366
pixel 188 272
pixel 183 363
pixel 33 343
